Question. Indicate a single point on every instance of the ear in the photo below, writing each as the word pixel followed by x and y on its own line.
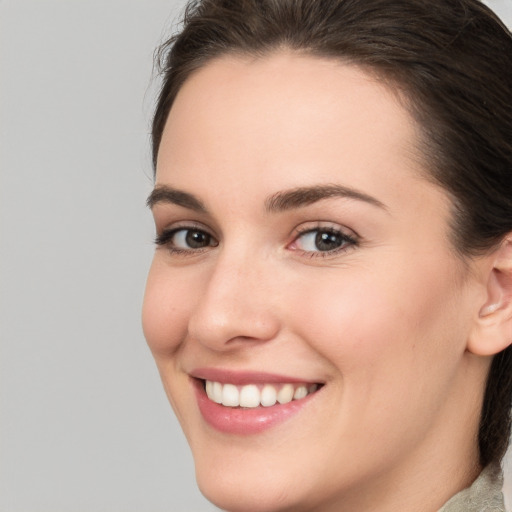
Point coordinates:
pixel 492 330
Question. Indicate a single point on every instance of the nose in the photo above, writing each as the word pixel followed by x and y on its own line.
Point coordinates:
pixel 236 306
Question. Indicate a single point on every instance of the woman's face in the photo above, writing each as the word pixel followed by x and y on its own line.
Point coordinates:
pixel 300 248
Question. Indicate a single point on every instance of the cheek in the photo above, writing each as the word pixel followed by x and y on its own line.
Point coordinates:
pixel 165 309
pixel 393 345
pixel 392 323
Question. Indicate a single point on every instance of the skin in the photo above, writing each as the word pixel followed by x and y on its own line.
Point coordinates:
pixel 383 323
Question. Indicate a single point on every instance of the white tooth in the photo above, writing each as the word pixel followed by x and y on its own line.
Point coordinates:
pixel 217 392
pixel 209 392
pixel 300 392
pixel 249 396
pixel 268 395
pixel 285 394
pixel 230 395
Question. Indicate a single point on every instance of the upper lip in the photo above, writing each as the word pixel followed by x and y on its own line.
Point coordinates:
pixel 241 378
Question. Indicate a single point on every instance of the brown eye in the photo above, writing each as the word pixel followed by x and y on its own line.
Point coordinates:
pixel 195 239
pixel 319 240
pixel 326 241
pixel 186 239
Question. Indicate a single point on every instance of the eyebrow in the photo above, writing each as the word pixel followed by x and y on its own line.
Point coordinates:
pixel 166 194
pixel 278 202
pixel 303 196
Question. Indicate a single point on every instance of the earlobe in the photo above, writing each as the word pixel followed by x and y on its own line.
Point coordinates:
pixel 492 330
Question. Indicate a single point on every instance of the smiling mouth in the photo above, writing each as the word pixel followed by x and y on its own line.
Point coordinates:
pixel 251 396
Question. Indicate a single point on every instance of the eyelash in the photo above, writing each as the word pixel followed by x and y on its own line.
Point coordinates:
pixel 166 236
pixel 348 241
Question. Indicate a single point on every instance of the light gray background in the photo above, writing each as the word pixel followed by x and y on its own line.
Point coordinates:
pixel 85 425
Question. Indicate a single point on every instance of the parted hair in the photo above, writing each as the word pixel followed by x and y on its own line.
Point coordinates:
pixel 451 63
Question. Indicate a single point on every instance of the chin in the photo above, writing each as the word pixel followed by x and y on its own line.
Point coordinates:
pixel 251 495
pixel 257 482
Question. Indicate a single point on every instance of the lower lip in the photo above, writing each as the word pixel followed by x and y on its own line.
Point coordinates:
pixel 231 420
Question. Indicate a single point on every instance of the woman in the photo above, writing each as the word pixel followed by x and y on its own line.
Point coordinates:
pixel 330 301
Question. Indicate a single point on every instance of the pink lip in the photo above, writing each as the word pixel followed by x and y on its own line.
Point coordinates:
pixel 241 378
pixel 232 420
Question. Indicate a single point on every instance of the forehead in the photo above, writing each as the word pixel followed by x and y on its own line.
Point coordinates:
pixel 284 118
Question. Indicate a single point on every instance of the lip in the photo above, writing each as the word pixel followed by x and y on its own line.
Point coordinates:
pixel 247 377
pixel 239 421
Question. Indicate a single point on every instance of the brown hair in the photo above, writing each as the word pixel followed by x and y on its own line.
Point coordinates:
pixel 452 62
